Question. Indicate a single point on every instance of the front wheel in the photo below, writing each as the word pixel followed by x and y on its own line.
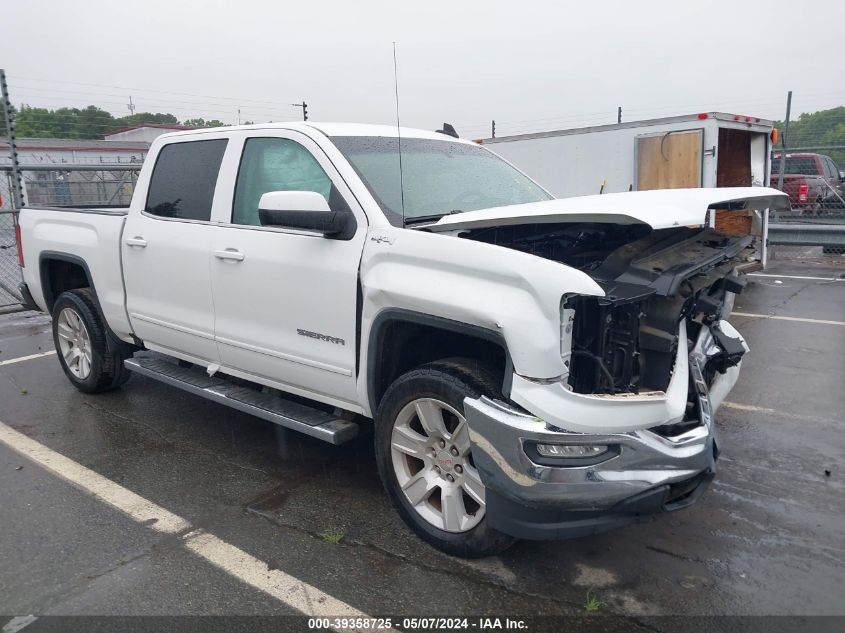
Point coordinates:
pixel 424 458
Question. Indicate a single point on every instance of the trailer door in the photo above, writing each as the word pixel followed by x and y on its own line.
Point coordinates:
pixel 733 162
pixel 669 160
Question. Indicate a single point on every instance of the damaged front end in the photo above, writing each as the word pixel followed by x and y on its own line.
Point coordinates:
pixel 626 342
pixel 628 430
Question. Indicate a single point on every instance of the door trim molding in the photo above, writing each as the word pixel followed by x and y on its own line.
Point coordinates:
pixel 173 326
pixel 335 369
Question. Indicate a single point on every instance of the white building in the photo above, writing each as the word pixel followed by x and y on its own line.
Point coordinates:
pixel 146 132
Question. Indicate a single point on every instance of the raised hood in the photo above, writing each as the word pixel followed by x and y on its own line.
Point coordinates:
pixel 659 209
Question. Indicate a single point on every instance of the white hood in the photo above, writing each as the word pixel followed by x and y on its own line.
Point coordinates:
pixel 660 209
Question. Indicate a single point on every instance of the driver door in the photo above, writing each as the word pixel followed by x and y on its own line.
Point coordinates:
pixel 285 300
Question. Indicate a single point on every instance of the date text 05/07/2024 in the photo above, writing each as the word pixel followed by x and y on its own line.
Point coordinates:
pixel 423 624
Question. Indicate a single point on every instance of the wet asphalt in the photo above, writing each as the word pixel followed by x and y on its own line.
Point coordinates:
pixel 767 538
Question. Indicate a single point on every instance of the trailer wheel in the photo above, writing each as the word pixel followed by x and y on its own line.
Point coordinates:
pixel 91 359
pixel 424 458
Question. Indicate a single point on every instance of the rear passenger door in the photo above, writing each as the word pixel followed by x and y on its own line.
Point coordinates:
pixel 166 252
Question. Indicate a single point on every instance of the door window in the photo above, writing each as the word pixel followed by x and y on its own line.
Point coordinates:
pixel 183 180
pixel 275 164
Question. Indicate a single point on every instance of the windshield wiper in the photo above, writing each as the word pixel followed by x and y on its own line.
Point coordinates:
pixel 430 218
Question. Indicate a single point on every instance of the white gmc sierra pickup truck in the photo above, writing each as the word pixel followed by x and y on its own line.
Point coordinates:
pixel 529 367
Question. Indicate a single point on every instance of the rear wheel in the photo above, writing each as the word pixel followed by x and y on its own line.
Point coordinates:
pixel 91 359
pixel 425 459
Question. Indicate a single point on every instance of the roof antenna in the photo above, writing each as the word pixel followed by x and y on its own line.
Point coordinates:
pixel 398 133
pixel 448 130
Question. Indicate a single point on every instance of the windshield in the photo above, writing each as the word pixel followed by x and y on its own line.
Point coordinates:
pixel 438 177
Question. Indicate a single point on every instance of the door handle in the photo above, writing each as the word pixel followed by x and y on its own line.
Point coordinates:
pixel 138 241
pixel 230 253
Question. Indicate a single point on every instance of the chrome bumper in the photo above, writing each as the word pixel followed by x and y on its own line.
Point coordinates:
pixel 643 471
pixel 636 462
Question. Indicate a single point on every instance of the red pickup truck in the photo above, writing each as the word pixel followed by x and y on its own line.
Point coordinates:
pixel 812 181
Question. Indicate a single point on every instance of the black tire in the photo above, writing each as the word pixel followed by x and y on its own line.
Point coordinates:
pixel 107 354
pixel 449 381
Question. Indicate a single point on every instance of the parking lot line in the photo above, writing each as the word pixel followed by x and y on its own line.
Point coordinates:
pixel 786 318
pixel 21 359
pixel 274 582
pixel 244 567
pixel 796 277
pixel 107 491
pixel 18 623
pixel 774 412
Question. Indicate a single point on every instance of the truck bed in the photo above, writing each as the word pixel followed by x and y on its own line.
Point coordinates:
pixel 89 236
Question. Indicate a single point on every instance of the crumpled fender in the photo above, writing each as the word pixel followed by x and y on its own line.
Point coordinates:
pixel 508 292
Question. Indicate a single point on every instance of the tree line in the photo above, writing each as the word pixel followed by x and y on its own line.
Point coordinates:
pixel 86 123
pixel 818 130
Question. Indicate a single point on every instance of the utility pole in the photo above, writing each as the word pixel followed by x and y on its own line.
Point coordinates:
pixel 304 107
pixel 9 120
pixel 131 106
pixel 619 115
pixel 493 129
pixel 783 142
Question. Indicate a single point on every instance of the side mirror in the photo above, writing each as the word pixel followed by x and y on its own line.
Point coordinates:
pixel 304 210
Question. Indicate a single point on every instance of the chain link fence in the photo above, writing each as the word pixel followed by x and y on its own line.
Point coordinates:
pixel 72 186
pixel 66 186
pixel 10 273
pixel 815 227
pixel 812 158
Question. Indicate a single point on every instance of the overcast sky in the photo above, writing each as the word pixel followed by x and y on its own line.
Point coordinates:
pixel 529 65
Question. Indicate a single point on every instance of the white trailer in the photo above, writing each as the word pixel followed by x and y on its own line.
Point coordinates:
pixel 710 149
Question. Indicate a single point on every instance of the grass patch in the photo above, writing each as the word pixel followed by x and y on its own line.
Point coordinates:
pixel 593 604
pixel 332 536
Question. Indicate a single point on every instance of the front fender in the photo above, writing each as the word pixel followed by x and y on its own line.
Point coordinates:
pixel 513 294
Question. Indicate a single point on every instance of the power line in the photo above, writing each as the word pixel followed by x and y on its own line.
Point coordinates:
pixel 590 118
pixel 161 103
pixel 223 110
pixel 698 107
pixel 137 89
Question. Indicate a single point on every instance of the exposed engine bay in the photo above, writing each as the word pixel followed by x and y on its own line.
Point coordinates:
pixel 627 341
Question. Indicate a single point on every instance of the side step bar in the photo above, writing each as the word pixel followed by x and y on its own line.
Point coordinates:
pixel 268 406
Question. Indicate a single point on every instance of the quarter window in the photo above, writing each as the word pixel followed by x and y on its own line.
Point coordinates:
pixel 183 180
pixel 276 164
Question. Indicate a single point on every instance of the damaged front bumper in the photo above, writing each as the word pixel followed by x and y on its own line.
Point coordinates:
pixel 660 463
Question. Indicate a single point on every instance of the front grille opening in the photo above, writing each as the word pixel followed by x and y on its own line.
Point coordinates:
pixel 605 358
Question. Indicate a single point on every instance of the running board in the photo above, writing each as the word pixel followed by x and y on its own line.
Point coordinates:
pixel 268 406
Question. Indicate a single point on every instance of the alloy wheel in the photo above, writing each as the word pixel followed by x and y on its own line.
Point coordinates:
pixel 75 343
pixel 430 449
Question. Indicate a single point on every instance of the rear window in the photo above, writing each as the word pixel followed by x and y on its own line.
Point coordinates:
pixel 804 165
pixel 183 180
